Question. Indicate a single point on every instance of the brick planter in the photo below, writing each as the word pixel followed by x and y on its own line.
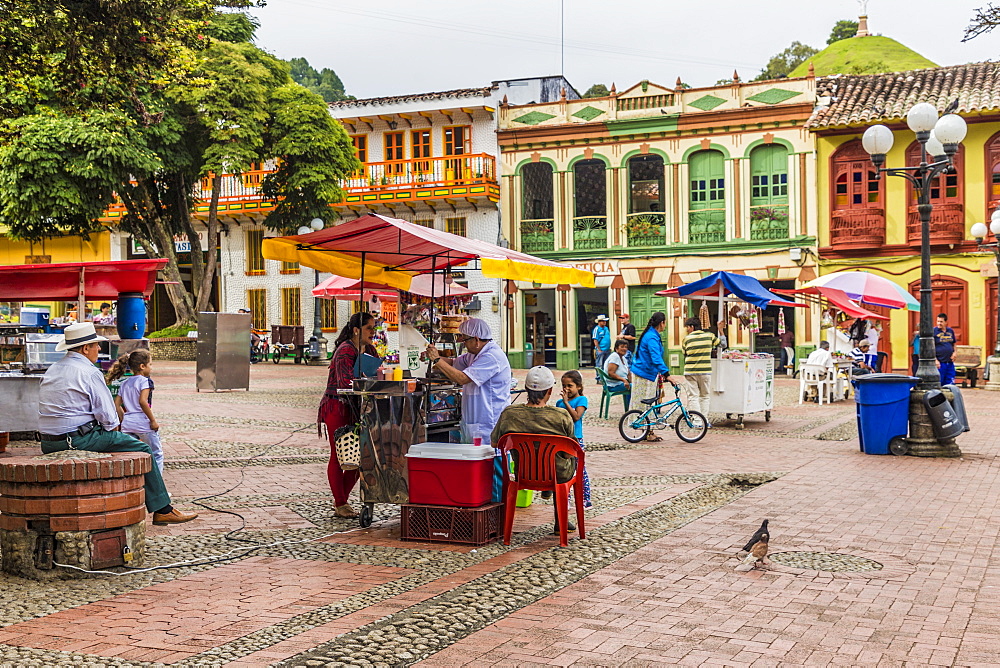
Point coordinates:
pixel 174 349
pixel 72 507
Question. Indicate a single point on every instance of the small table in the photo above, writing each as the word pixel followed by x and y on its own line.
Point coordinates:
pixel 841 386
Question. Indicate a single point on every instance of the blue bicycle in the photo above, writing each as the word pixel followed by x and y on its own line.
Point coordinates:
pixel 636 425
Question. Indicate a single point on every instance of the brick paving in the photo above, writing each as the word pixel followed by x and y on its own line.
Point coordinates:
pixel 934 525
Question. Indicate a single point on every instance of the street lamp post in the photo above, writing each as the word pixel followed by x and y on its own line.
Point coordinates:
pixel 939 139
pixel 979 231
pixel 317 342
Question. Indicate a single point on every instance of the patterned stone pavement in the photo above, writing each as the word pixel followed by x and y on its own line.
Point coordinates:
pixel 883 560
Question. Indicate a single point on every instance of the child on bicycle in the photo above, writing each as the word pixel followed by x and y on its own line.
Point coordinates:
pixel 574 402
pixel 134 401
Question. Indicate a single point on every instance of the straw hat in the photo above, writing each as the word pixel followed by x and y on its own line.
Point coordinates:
pixel 78 335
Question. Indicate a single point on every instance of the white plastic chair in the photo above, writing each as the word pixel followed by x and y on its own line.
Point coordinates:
pixel 818 376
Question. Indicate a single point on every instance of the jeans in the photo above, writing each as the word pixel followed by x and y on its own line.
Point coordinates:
pixel 115 441
pixel 152 439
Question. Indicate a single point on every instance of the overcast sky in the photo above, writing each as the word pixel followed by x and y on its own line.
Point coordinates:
pixel 392 47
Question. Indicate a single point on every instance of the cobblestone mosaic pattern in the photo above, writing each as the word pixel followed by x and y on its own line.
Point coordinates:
pixel 826 561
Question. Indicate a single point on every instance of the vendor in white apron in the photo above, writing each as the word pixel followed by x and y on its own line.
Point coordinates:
pixel 484 374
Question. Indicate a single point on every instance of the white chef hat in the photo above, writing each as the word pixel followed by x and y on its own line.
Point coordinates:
pixel 476 328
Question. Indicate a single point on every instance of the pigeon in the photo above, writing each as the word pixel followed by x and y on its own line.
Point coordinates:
pixel 952 107
pixel 757 556
pixel 755 537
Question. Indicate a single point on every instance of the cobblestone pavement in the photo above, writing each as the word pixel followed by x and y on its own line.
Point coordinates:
pixel 877 560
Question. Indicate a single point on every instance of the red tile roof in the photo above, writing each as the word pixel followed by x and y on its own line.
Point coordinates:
pixel 864 99
pixel 415 97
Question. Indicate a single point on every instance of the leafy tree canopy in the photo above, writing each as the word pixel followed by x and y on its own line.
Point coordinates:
pixel 324 83
pixel 784 62
pixel 597 90
pixel 844 29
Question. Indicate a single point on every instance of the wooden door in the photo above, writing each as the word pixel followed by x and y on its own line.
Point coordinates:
pixel 643 302
pixel 950 296
pixel 991 316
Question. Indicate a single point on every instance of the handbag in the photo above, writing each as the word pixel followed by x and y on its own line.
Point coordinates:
pixel 347 442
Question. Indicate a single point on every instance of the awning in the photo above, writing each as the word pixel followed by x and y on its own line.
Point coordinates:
pixel 341 287
pixel 838 299
pixel 732 286
pixel 66 282
pixel 391 252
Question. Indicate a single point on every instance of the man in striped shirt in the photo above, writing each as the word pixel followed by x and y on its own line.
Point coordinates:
pixel 697 347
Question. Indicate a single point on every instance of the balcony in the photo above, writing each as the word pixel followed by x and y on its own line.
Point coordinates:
pixel 707 226
pixel 768 223
pixel 643 230
pixel 947 225
pixel 590 232
pixel 861 229
pixel 537 236
pixel 238 193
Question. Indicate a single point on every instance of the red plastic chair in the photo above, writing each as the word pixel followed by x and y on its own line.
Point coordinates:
pixel 536 470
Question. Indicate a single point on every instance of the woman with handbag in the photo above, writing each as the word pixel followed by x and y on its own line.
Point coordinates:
pixel 336 411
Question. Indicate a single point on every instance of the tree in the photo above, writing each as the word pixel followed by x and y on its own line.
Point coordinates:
pixel 781 64
pixel 325 83
pixel 63 162
pixel 843 29
pixel 985 20
pixel 597 90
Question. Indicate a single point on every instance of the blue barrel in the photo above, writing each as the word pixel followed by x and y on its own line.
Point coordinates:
pixel 131 315
pixel 883 409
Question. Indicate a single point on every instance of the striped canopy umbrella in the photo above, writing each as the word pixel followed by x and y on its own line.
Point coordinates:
pixel 868 289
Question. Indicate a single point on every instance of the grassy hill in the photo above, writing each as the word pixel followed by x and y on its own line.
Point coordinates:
pixel 863 55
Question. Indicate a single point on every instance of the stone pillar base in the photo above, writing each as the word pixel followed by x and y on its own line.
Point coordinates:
pixel 994 365
pixel 921 440
pixel 89 550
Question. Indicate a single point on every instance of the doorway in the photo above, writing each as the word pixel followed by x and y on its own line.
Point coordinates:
pixel 949 296
pixel 540 327
pixel 991 316
pixel 590 303
pixel 770 339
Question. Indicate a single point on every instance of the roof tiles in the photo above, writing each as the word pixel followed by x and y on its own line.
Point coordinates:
pixel 845 100
pixel 415 97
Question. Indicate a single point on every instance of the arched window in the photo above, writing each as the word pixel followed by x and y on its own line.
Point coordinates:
pixel 992 174
pixel 707 209
pixel 537 232
pixel 646 223
pixel 769 192
pixel 947 194
pixel 590 221
pixel 857 213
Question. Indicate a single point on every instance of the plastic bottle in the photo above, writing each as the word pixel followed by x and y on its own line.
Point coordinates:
pixel 397 373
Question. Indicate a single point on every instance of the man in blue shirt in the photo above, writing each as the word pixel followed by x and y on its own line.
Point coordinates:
pixel 601 335
pixel 944 349
pixel 863 360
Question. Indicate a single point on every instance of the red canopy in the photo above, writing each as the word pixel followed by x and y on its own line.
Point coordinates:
pixel 341 287
pixel 67 282
pixel 837 298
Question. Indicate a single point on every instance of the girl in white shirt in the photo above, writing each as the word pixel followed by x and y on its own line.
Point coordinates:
pixel 135 400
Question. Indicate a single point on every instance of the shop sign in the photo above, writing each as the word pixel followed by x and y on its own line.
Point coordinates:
pixel 390 314
pixel 182 244
pixel 598 267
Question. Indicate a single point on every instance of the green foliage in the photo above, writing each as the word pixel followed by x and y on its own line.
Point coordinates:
pixel 868 55
pixel 172 332
pixel 325 83
pixel 843 29
pixel 723 82
pixel 232 27
pixel 781 64
pixel 597 90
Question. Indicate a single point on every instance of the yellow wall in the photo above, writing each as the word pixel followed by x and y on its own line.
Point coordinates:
pixel 62 249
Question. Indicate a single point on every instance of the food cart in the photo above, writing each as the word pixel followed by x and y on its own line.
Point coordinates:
pixel 391 253
pixel 742 381
pixel 27 350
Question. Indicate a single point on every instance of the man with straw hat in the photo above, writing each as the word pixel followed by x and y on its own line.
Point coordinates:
pixel 76 412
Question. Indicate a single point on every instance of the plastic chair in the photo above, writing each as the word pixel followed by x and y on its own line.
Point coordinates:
pixel 818 376
pixel 536 469
pixel 607 395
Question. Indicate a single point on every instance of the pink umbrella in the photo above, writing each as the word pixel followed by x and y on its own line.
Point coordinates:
pixel 867 289
pixel 425 285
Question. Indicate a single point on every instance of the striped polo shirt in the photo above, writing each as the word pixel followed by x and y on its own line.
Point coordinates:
pixel 697 347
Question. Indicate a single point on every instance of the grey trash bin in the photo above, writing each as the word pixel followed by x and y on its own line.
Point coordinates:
pixel 959 403
pixel 944 418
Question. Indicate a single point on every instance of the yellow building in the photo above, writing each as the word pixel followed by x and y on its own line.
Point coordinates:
pixel 872 224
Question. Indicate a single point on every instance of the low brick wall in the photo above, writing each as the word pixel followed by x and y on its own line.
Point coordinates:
pixel 174 349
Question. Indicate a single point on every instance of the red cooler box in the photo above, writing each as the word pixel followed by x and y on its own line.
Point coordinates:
pixel 450 474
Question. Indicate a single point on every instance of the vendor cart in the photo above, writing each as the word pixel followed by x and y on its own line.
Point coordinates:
pixel 743 385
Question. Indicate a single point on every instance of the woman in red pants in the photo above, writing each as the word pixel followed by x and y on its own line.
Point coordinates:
pixel 336 411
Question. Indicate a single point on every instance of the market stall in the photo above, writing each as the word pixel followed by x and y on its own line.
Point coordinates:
pixel 27 348
pixel 742 381
pixel 381 252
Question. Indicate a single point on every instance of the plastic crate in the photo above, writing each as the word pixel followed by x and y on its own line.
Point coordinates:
pixel 458 526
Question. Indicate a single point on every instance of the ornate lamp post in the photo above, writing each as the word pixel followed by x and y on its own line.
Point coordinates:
pixel 317 342
pixel 979 231
pixel 939 140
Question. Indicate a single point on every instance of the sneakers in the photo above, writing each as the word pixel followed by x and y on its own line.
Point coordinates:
pixel 569 527
pixel 173 517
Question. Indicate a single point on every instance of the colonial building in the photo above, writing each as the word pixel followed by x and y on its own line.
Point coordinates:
pixel 655 187
pixel 872 224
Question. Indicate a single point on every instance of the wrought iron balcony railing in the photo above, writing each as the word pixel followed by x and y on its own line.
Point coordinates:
pixel 643 230
pixel 707 226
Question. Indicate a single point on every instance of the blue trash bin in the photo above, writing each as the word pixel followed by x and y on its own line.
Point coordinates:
pixel 883 401
pixel 131 315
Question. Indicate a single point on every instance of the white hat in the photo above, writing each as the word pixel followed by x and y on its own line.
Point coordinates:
pixel 78 335
pixel 600 318
pixel 476 328
pixel 539 379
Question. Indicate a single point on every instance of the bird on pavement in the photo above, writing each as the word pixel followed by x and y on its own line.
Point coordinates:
pixel 757 556
pixel 755 537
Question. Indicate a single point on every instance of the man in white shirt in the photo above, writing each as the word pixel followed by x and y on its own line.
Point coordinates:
pixel 821 356
pixel 76 412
